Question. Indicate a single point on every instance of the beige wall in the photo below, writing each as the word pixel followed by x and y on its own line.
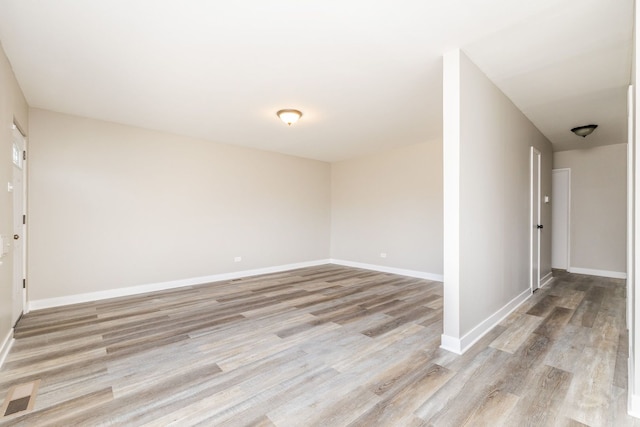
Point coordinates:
pixel 487 154
pixel 12 107
pixel 114 206
pixel 598 206
pixel 389 203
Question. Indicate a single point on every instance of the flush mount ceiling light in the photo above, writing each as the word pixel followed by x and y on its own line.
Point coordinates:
pixel 584 130
pixel 289 116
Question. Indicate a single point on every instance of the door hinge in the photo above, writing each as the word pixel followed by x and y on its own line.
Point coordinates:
pixel 24 155
pixel 24 283
pixel 24 219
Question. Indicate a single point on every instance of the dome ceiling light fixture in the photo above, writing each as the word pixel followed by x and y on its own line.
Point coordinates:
pixel 289 116
pixel 583 131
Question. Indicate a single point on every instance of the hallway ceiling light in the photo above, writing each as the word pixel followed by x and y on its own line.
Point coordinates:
pixel 289 116
pixel 584 130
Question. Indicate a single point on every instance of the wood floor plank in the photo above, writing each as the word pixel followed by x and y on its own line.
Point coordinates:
pixel 494 410
pixel 456 400
pixel 620 377
pixel 253 409
pixel 567 297
pixel 59 413
pixel 211 405
pixel 521 368
pixel 568 347
pixel 326 345
pixel 542 402
pixel 405 337
pixel 545 306
pixel 391 381
pixel 398 406
pixel 552 325
pixel 345 411
pixel 585 314
pixel 590 396
pixel 263 421
pixel 411 316
pixel 514 336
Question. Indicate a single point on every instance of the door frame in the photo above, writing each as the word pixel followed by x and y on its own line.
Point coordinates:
pixel 555 198
pixel 15 280
pixel 535 191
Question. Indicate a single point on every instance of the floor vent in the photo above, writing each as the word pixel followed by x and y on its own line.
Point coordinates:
pixel 20 398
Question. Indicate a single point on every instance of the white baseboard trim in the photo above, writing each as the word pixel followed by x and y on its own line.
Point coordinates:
pixel 548 278
pixel 142 289
pixel 7 343
pixel 634 405
pixel 451 344
pixel 600 273
pixel 393 270
pixel 461 345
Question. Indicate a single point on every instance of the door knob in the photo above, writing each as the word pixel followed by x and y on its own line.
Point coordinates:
pixel 540 226
pixel 16 237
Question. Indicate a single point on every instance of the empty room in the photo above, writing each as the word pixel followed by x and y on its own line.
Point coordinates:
pixel 319 213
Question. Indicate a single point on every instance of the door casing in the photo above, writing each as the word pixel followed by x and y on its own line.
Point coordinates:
pixel 534 276
pixel 18 245
pixel 561 218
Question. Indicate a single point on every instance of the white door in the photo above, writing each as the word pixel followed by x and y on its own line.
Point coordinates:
pixel 18 238
pixel 535 225
pixel 560 211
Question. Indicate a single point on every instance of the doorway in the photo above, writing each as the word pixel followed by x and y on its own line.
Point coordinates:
pixel 560 218
pixel 19 219
pixel 535 226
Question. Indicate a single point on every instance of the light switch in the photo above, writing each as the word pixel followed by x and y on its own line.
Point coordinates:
pixel 546 199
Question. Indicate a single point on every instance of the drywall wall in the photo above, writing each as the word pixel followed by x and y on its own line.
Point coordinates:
pixel 487 227
pixel 598 235
pixel 13 108
pixel 113 206
pixel 633 231
pixel 389 203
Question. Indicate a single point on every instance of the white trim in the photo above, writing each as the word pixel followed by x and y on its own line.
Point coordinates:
pixel 546 279
pixel 7 343
pixel 451 344
pixel 568 171
pixel 141 289
pixel 534 230
pixel 633 402
pixel 459 346
pixel 600 273
pixel 634 405
pixel 152 287
pixel 451 111
pixel 630 204
pixel 18 277
pixel 393 270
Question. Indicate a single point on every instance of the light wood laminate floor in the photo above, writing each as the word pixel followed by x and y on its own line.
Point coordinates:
pixel 328 345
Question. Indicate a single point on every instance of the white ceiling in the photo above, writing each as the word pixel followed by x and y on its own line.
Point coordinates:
pixel 366 74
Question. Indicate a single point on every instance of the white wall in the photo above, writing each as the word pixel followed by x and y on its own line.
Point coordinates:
pixel 389 203
pixel 12 107
pixel 633 232
pixel 113 206
pixel 598 207
pixel 487 144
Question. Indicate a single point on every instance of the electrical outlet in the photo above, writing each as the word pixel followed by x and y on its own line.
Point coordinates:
pixel 237 259
pixel 383 254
